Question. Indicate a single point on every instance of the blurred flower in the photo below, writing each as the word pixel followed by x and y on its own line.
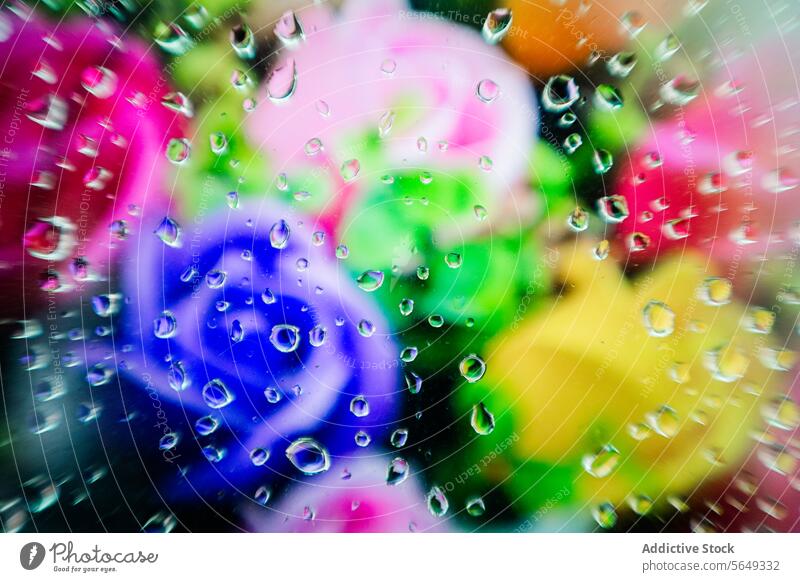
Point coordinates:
pixel 83 157
pixel 409 139
pixel 258 349
pixel 354 499
pixel 629 393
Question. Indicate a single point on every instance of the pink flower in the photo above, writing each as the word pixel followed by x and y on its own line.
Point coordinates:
pixel 395 90
pixel 355 500
pixel 83 138
pixel 721 174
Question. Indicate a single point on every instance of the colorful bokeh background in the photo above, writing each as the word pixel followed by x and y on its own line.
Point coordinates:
pixel 399 266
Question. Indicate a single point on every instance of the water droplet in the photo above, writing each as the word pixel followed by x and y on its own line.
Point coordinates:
pixel 285 337
pixel 362 439
pixel 572 142
pixel 359 406
pixel 413 382
pixel 237 331
pixel 216 394
pixel 487 90
pixel 607 97
pixel 282 82
pixel 482 420
pixel 279 235
pixel 435 320
pixel 168 441
pixel 399 438
pixel 727 363
pixel 601 250
pixel 398 471
pixel 578 220
pixel 366 328
pixel 243 41
pixel 406 307
pixel 370 281
pixel 601 463
pixel 640 504
pixel 259 456
pixel 560 93
pixel 99 81
pixel 350 170
pixel 317 335
pixel 165 325
pixel 475 507
pixel 472 368
pixel 679 91
pixel 272 395
pixel 178 150
pixel 177 378
pixel 215 278
pixel 50 112
pixel 99 375
pixel 206 425
pixel 659 319
pixel 179 103
pixel 782 413
pixel 637 242
pixel 604 515
pixel 667 47
pixel 218 142
pixel 716 291
pixel 496 25
pixel 386 123
pixel 423 273
pixel 309 456
pixel 453 260
pixel 169 232
pixel 437 501
pixel 409 354
pixel 480 213
pixel 780 180
pixel 621 64
pixel 664 421
pixel 262 495
pixel 388 66
pixel 602 160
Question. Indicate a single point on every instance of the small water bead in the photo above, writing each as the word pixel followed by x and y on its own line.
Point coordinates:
pixel 262 495
pixel 480 213
pixel 370 281
pixel 350 170
pixel 435 320
pixel 782 413
pixel 472 368
pixel 289 30
pixel 318 238
pixel 388 66
pixel 637 242
pixel 279 235
pixel 342 252
pixel 779 181
pixel 179 103
pixel 99 375
pixel 475 507
pixel 453 260
pixel 308 456
pixel 169 232
pixel 284 337
pixel 215 278
pixel 759 320
pixel 639 431
pixel 601 250
pixel 168 441
pixel 301 264
pixel 406 307
pixel 399 438
pixel 621 64
pixel 423 273
pixel 106 304
pixel 667 48
pixel 216 394
pixel 605 515
pixel 487 91
pixel 572 142
pixel 317 335
pixel 282 82
pixel 398 472
pixel 313 146
pixel 485 163
pixel 268 297
pixel 359 406
pixel 218 142
pixel 237 331
pixel 496 25
pixel 607 97
pixel 385 123
pixel 679 91
pixel 87 412
pixel 726 363
pixel 409 354
pixel 177 378
pixel 602 160
pixel 243 41
pixel 206 425
pixel 259 456
pixel 422 145
pixel 601 463
pixel 178 150
pixel 99 81
pixel 659 319
pixel 613 209
pixel 481 420
pixel 413 382
pixel 425 178
pixel 664 422
pixel 241 81
pixel 633 23
pixel 165 325
pixel 716 291
pixel 437 501
pixel 560 93
pixel 366 328
pixel 272 395
pixel 578 220
pixel 362 439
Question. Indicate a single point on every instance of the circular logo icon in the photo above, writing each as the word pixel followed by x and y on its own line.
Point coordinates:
pixel 31 555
